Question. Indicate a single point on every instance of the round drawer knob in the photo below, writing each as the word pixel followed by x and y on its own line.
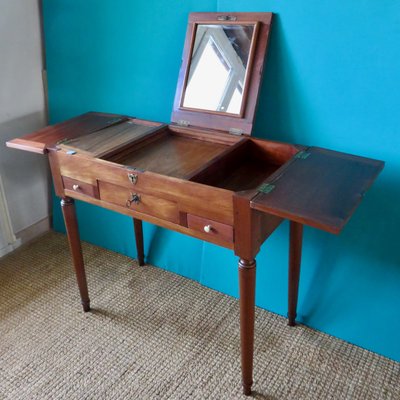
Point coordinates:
pixel 208 228
pixel 75 187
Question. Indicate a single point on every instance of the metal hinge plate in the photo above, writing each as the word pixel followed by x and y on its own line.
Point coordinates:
pixel 236 131
pixel 130 168
pixel 63 141
pixel 302 154
pixel 183 122
pixel 266 188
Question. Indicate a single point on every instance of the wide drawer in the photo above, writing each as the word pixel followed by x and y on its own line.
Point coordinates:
pixel 80 187
pixel 212 228
pixel 138 201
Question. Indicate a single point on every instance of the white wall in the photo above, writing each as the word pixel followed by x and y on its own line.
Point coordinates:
pixel 22 110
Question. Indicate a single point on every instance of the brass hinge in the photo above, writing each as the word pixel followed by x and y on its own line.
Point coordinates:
pixel 131 168
pixel 63 141
pixel 183 122
pixel 236 131
pixel 114 120
pixel 266 188
pixel 302 154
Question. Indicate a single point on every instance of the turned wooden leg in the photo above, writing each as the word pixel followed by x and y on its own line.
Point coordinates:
pixel 247 280
pixel 296 239
pixel 137 223
pixel 71 224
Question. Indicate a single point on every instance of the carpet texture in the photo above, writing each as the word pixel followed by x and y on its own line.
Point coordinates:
pixel 156 335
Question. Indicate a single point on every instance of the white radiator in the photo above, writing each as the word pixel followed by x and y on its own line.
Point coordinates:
pixel 8 241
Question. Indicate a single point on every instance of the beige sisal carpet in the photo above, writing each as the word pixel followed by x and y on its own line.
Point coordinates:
pixel 155 335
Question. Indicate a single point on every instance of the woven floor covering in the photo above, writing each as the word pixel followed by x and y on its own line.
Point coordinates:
pixel 155 335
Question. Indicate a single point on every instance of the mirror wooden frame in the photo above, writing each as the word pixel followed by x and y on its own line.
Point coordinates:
pixel 215 120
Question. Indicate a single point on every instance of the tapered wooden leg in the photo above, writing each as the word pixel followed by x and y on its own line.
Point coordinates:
pixel 247 281
pixel 137 223
pixel 296 239
pixel 71 224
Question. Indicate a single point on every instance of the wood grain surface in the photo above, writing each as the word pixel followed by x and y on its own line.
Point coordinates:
pixel 322 190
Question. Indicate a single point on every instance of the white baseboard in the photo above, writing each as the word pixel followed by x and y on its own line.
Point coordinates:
pixel 35 230
pixel 28 234
pixel 10 247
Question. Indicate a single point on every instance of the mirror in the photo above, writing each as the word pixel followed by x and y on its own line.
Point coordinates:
pixel 219 63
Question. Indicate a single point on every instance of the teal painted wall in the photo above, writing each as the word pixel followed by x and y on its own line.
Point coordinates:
pixel 331 80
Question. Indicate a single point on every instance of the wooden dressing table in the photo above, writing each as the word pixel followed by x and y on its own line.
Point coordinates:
pixel 203 175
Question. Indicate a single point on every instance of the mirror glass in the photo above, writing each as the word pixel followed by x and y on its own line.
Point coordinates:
pixel 218 67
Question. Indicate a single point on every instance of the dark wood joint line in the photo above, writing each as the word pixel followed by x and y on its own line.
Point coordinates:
pixel 183 220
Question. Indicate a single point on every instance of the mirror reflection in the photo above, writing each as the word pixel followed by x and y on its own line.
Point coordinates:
pixel 217 73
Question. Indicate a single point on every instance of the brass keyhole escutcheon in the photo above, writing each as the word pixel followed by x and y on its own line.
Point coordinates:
pixel 135 198
pixel 133 178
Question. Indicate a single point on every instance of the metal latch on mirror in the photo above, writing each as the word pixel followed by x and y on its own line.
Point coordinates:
pixel 226 18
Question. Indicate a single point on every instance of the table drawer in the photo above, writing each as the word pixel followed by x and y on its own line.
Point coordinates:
pixel 80 187
pixel 210 227
pixel 138 201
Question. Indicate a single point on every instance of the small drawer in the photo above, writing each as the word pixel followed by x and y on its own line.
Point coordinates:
pixel 209 227
pixel 138 201
pixel 80 187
